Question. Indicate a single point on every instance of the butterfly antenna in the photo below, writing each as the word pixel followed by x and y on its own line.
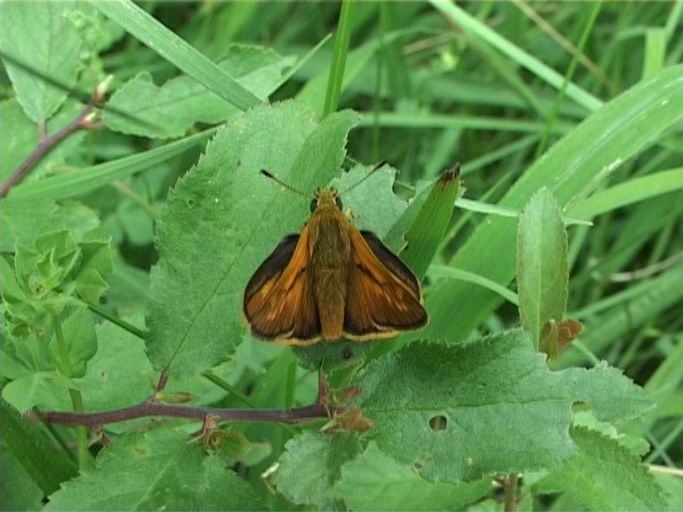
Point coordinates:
pixel 372 171
pixel 270 175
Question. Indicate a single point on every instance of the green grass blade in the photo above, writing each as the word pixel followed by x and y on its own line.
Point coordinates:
pixel 432 120
pixel 177 51
pixel 572 169
pixel 657 295
pixel 629 192
pixel 478 29
pixel 90 178
pixel 443 271
pixel 341 49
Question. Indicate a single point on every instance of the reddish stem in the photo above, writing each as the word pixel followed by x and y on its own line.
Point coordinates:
pixel 44 146
pixel 150 408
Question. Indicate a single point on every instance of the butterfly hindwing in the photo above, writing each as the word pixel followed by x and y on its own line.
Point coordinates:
pixel 383 294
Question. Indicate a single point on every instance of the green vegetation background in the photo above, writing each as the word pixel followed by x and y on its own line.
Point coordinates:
pixel 126 249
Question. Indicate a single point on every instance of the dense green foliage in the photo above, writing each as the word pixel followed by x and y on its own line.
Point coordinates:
pixel 126 248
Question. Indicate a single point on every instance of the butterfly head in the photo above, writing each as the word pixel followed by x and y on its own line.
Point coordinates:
pixel 326 199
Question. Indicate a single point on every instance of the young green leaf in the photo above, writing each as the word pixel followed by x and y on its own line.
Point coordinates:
pixel 426 232
pixel 119 374
pixel 40 35
pixel 372 204
pixel 542 271
pixel 155 470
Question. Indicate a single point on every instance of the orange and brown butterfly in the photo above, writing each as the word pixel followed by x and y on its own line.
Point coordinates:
pixel 331 282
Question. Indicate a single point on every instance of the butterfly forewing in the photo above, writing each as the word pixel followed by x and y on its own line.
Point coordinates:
pixel 278 300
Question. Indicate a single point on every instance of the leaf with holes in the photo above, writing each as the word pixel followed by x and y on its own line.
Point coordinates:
pixel 459 412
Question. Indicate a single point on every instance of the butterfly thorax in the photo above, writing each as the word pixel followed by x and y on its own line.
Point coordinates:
pixel 329 250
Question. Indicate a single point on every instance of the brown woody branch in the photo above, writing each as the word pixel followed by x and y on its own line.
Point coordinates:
pixel 149 408
pixel 46 144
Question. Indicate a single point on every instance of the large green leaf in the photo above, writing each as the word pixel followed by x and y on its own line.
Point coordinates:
pixel 156 470
pixel 222 220
pixel 461 412
pixel 571 170
pixel 40 35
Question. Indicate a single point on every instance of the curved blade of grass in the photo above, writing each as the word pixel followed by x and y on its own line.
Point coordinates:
pixel 301 62
pixel 177 51
pixel 629 192
pixel 571 169
pixel 314 90
pixel 443 271
pixel 430 120
pixel 478 29
pixel 493 209
pixel 657 295
pixel 89 178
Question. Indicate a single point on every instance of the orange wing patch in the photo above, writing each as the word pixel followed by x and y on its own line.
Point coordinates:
pixel 279 302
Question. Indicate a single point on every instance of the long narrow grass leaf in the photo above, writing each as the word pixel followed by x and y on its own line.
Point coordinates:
pixel 177 51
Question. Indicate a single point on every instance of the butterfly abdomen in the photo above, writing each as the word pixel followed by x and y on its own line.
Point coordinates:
pixel 330 253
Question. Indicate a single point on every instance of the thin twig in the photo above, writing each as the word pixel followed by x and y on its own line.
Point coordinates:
pixel 150 408
pixel 624 277
pixel 46 144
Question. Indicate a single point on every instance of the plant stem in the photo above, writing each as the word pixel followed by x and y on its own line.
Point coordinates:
pixel 45 145
pixel 511 484
pixel 150 408
pixel 341 49
pixel 83 455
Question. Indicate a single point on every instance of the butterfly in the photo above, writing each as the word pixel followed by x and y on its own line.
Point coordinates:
pixel 331 281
